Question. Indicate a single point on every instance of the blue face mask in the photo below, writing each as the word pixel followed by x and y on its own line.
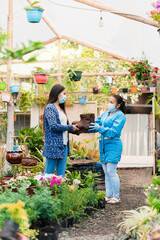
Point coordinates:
pixel 111 107
pixel 63 99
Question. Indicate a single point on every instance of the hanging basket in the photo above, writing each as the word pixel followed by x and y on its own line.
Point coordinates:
pixel 124 90
pixel 76 77
pixel 6 97
pixel 83 100
pixel 34 15
pixel 2 85
pixel 95 90
pixel 41 78
pixel 14 88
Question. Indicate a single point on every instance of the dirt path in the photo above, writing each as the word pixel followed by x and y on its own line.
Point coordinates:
pixel 102 225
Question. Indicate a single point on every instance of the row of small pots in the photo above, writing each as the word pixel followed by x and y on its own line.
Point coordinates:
pixel 133 90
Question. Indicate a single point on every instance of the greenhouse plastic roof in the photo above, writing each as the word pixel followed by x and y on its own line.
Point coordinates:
pixel 121 36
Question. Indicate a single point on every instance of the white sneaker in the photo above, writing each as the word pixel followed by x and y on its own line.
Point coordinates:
pixel 107 198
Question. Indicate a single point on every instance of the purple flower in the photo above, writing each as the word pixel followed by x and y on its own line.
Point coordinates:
pixel 41 179
pixel 44 185
pixel 157 4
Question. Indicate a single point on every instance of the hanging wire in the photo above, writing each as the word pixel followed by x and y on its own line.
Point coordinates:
pixel 87 9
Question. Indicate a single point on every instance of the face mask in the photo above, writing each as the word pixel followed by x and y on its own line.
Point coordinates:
pixel 63 99
pixel 111 107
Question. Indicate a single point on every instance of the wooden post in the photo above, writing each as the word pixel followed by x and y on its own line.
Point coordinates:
pixel 59 60
pixel 154 135
pixel 10 106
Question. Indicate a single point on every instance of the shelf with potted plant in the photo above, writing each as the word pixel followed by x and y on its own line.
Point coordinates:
pixel 41 75
pixel 152 85
pixel 34 12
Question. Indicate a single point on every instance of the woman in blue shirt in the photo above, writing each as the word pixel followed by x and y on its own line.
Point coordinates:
pixel 56 145
pixel 110 125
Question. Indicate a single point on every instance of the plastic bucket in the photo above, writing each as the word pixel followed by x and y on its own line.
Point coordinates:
pixel 34 15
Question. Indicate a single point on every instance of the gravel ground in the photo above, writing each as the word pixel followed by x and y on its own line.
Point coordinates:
pixel 102 225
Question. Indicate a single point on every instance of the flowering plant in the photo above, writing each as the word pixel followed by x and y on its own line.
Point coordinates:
pixel 19 182
pixel 142 70
pixel 50 180
pixel 151 83
pixel 155 14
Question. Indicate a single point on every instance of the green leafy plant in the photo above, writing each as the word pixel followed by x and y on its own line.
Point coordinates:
pixel 25 101
pixel 3 127
pixel 34 143
pixel 34 6
pixel 40 99
pixel 41 71
pixel 136 222
pixel 3 37
pixel 100 195
pixel 91 179
pixel 19 53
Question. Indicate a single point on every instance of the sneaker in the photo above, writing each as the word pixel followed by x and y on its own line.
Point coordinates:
pixel 107 198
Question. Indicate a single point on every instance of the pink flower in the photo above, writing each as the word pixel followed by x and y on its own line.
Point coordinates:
pixel 129 69
pixel 132 74
pixel 145 74
pixel 134 70
pixel 133 63
pixel 153 82
pixel 154 76
pixel 41 179
pixel 44 185
pixel 156 69
pixel 146 67
pixel 140 62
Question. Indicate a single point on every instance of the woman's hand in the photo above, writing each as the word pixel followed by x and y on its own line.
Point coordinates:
pixel 22 237
pixel 75 128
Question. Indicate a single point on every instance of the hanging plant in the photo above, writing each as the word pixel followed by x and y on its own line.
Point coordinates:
pixel 40 100
pixel 155 14
pixel 2 85
pixel 25 101
pixel 74 75
pixel 41 76
pixel 34 12
pixel 142 70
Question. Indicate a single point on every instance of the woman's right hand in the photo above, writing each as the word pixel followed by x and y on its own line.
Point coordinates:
pixel 75 128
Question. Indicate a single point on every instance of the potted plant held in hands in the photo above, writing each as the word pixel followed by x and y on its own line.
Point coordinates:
pixel 41 76
pixel 34 12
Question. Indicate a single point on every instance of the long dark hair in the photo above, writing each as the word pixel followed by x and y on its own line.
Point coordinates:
pixel 53 95
pixel 121 102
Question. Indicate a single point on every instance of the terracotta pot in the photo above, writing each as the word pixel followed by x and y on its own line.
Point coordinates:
pixel 114 90
pixel 84 123
pixel 41 79
pixel 134 90
pixel 144 89
pixel 14 157
pixel 29 161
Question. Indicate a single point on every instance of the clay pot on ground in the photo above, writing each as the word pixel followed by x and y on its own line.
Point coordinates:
pixel 14 157
pixel 84 123
pixel 29 161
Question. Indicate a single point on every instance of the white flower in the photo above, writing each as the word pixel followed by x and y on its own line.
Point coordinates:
pixel 76 182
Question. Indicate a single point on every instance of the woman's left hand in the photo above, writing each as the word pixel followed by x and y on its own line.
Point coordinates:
pixel 94 126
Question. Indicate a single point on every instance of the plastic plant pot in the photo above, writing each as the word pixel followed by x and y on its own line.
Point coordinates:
pixel 2 85
pixel 134 90
pixel 82 100
pixel 14 88
pixel 105 90
pixel 34 15
pixel 76 77
pixel 95 90
pixel 114 90
pixel 6 97
pixel 124 90
pixel 144 89
pixel 152 89
pixel 41 79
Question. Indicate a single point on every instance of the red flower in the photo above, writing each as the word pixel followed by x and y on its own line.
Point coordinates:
pixel 156 69
pixel 129 69
pixel 153 82
pixel 146 67
pixel 145 74
pixel 133 63
pixel 134 70
pixel 140 62
pixel 132 74
pixel 154 76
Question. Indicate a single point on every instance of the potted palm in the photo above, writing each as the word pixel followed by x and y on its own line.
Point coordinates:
pixel 41 76
pixel 34 12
